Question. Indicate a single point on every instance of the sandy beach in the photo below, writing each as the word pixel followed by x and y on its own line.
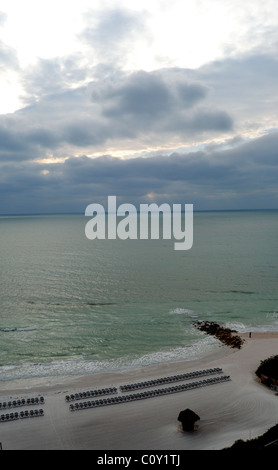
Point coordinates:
pixel 241 408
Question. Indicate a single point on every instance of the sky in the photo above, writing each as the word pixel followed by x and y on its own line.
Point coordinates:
pixel 151 101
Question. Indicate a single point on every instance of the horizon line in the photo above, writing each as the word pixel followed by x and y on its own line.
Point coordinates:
pixel 26 214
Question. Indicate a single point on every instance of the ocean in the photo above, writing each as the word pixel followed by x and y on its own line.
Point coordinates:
pixel 70 305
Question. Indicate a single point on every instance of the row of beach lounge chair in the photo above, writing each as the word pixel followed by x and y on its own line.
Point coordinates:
pixel 91 393
pixel 22 402
pixel 148 393
pixel 140 385
pixel 170 379
pixel 21 415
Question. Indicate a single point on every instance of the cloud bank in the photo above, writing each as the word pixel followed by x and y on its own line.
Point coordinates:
pixel 237 177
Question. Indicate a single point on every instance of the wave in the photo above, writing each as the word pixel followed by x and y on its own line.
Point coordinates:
pixel 244 328
pixel 181 311
pixel 184 311
pixel 96 304
pixel 9 329
pixel 238 326
pixel 239 291
pixel 226 291
pixel 32 302
pixel 189 352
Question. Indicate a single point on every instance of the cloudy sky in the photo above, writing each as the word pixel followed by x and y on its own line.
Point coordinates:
pixel 150 100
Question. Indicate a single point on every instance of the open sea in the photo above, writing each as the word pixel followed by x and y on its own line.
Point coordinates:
pixel 70 305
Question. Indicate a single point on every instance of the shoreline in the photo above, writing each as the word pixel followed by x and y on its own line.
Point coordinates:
pixel 241 408
pixel 52 382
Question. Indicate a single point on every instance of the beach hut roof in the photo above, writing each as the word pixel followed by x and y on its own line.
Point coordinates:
pixel 188 415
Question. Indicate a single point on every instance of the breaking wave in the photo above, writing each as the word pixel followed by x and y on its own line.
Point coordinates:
pixel 184 311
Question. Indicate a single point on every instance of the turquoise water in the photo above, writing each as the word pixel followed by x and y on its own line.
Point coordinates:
pixel 70 305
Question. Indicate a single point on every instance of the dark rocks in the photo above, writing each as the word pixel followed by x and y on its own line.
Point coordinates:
pixel 225 335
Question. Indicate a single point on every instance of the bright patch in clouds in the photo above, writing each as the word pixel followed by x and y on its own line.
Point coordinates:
pixel 177 34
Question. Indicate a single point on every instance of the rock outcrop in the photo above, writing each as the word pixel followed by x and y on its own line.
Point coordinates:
pixel 225 335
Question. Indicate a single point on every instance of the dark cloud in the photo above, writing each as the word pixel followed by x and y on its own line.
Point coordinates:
pixel 135 109
pixel 151 108
pixel 145 105
pixel 21 141
pixel 244 176
pixel 151 93
pixel 246 86
pixel 142 93
pixel 140 110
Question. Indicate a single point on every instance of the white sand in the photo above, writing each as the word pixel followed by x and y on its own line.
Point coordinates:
pixel 239 409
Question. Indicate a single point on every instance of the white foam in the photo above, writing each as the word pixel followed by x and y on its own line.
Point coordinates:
pixel 238 326
pixel 177 354
pixel 181 311
pixel 242 328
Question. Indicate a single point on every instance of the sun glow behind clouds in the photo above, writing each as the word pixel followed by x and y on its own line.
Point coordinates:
pixel 10 91
pixel 35 30
pixel 188 37
pixel 193 32
pixel 41 29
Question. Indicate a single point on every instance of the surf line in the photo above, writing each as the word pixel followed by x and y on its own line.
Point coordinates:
pixel 127 227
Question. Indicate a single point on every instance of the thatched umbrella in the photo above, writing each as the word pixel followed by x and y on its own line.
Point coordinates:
pixel 188 418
